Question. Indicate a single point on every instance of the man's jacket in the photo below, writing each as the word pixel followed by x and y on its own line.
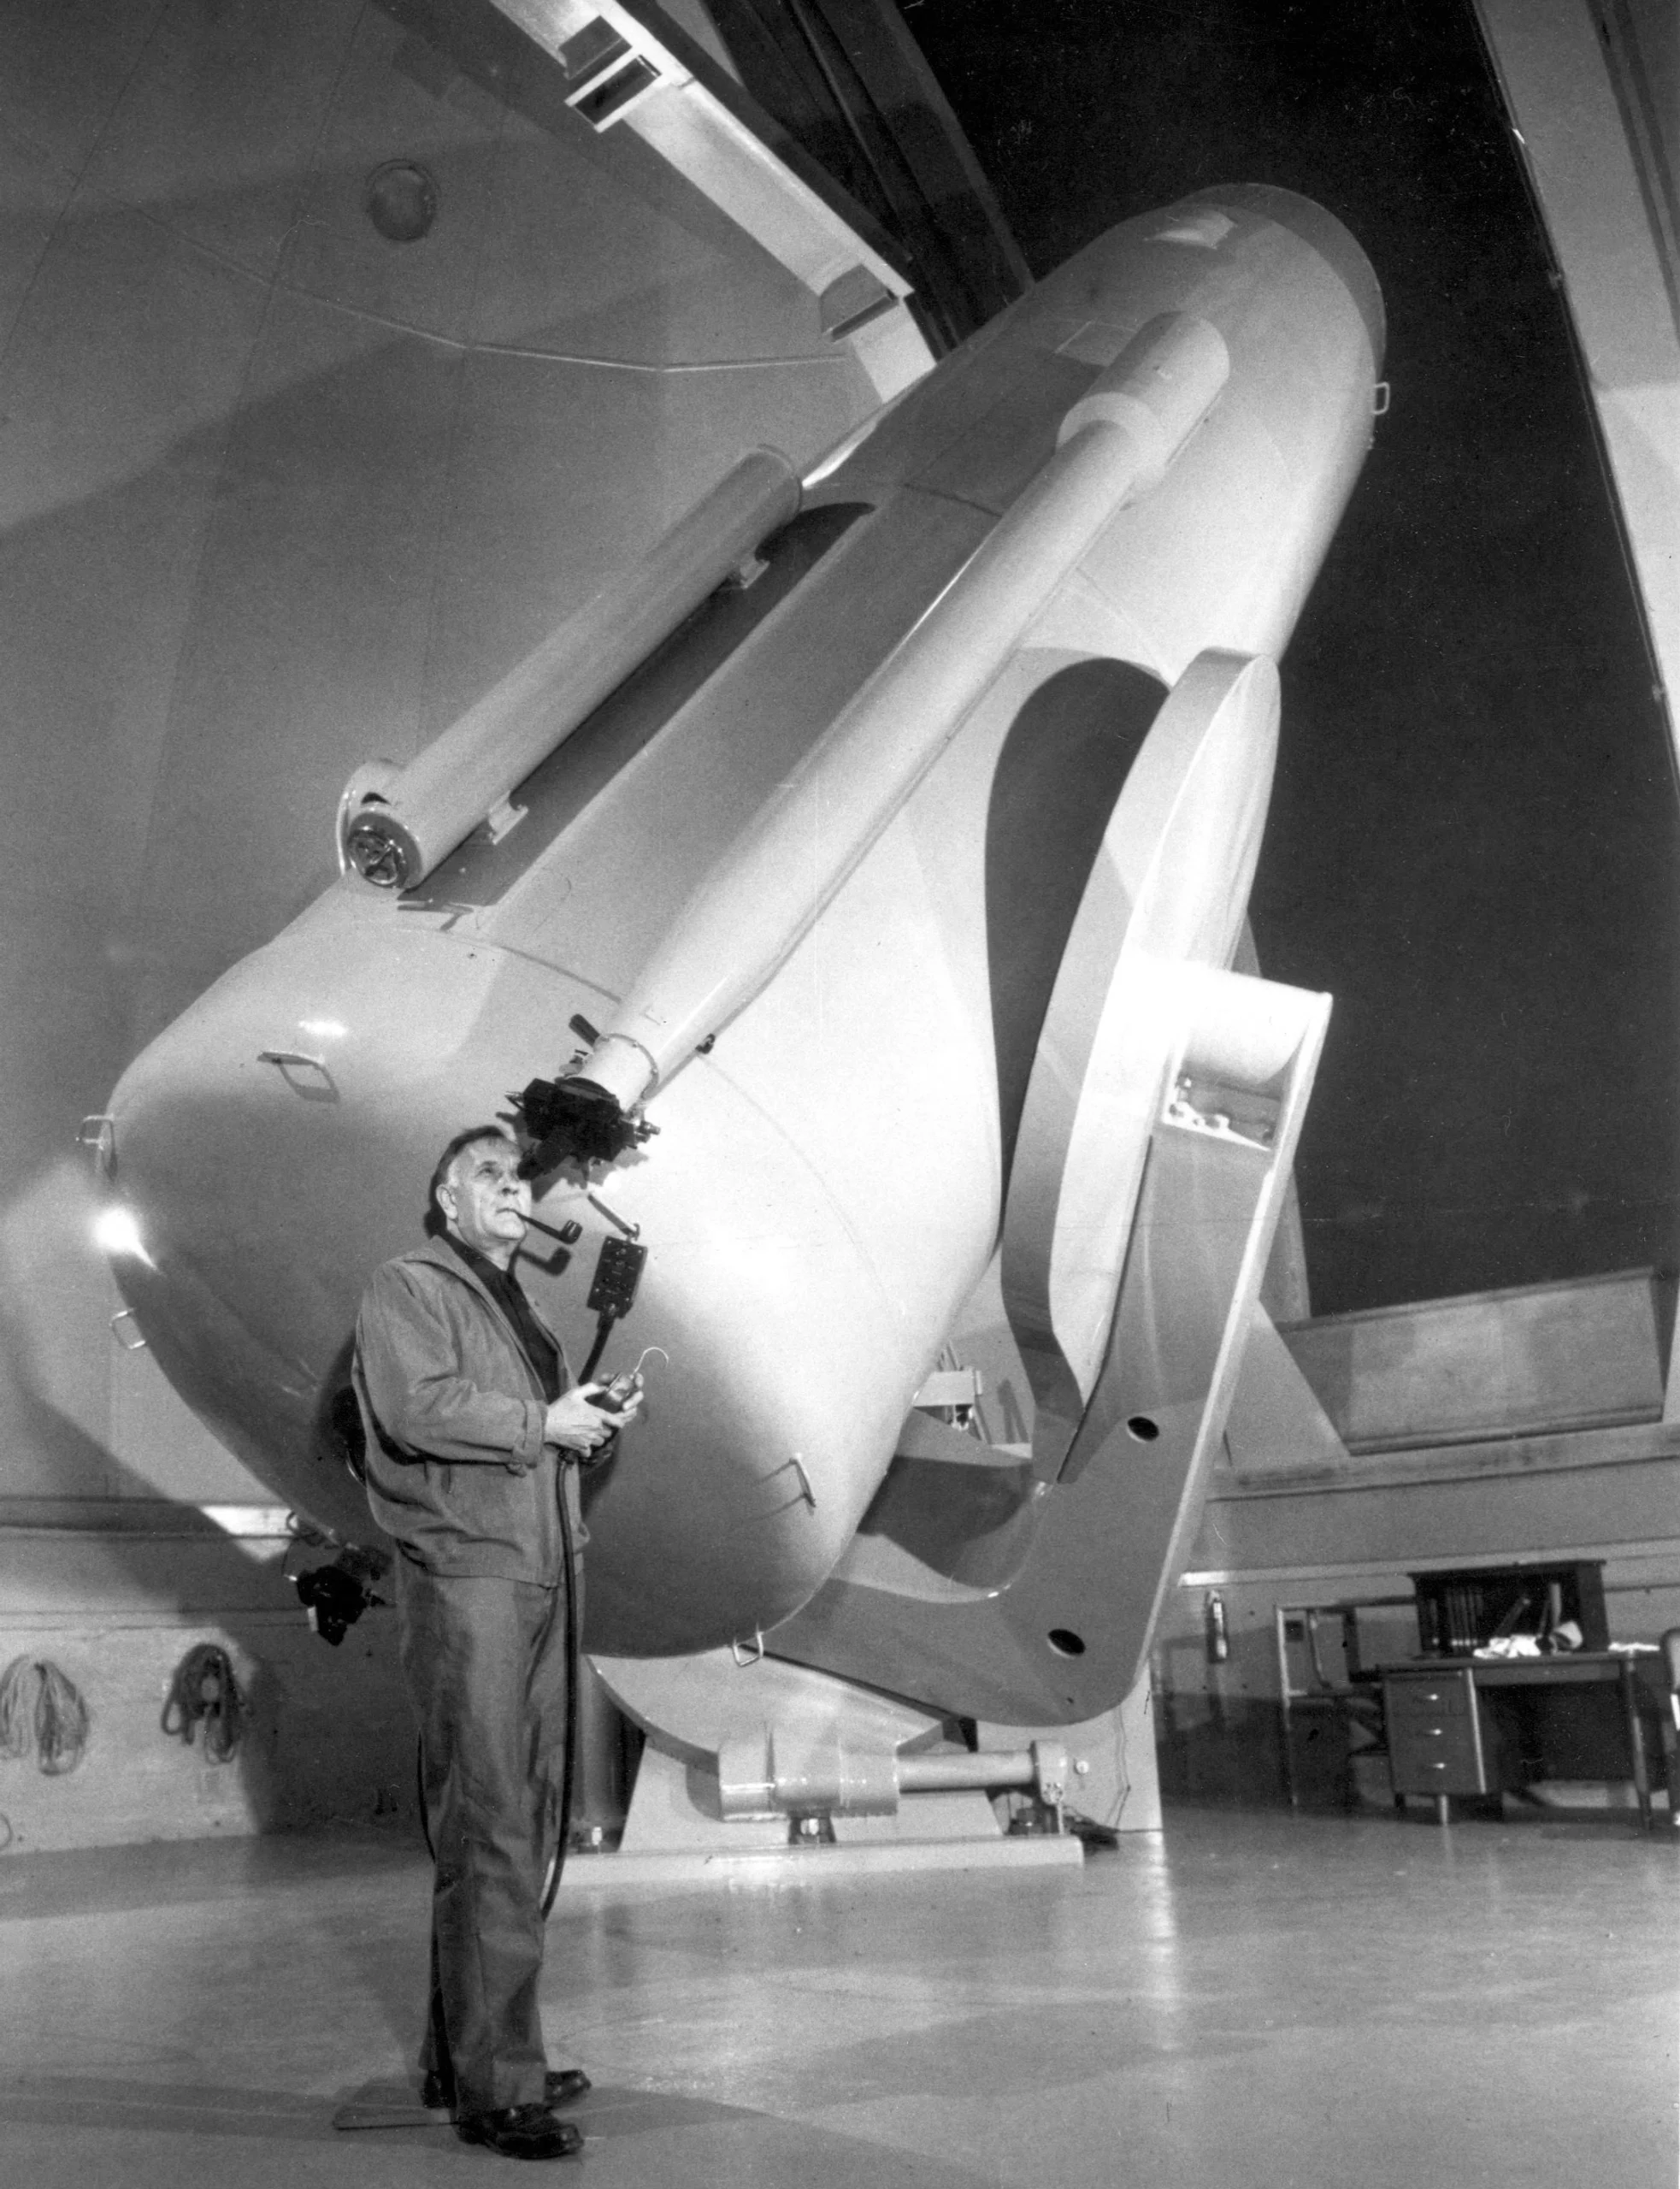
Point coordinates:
pixel 457 1471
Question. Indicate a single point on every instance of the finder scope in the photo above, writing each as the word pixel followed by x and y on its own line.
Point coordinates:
pixel 573 1120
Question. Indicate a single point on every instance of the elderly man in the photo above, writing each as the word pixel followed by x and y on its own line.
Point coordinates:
pixel 471 1428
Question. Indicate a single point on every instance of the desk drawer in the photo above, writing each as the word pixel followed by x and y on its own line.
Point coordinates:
pixel 1411 1702
pixel 1442 1760
pixel 1434 1744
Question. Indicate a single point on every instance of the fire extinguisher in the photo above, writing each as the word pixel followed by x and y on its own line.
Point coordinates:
pixel 1218 1634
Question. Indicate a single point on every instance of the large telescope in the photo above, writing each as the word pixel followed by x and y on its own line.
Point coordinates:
pixel 904 886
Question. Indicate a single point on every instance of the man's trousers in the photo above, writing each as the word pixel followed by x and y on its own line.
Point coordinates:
pixel 485 1664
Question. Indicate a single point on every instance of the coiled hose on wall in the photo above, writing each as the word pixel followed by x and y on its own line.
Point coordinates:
pixel 204 1692
pixel 39 1704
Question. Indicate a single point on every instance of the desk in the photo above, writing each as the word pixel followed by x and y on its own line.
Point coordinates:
pixel 1441 1742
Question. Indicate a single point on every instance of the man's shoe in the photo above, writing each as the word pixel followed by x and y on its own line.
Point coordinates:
pixel 561 2086
pixel 522 2131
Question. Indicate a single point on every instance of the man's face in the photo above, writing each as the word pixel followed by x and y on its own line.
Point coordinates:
pixel 488 1204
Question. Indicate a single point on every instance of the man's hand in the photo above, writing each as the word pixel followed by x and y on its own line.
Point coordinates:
pixel 576 1424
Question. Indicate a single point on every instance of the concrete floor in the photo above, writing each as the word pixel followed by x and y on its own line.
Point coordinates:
pixel 1249 2002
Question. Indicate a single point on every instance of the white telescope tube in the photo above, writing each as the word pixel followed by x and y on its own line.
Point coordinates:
pixel 762 896
pixel 396 824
